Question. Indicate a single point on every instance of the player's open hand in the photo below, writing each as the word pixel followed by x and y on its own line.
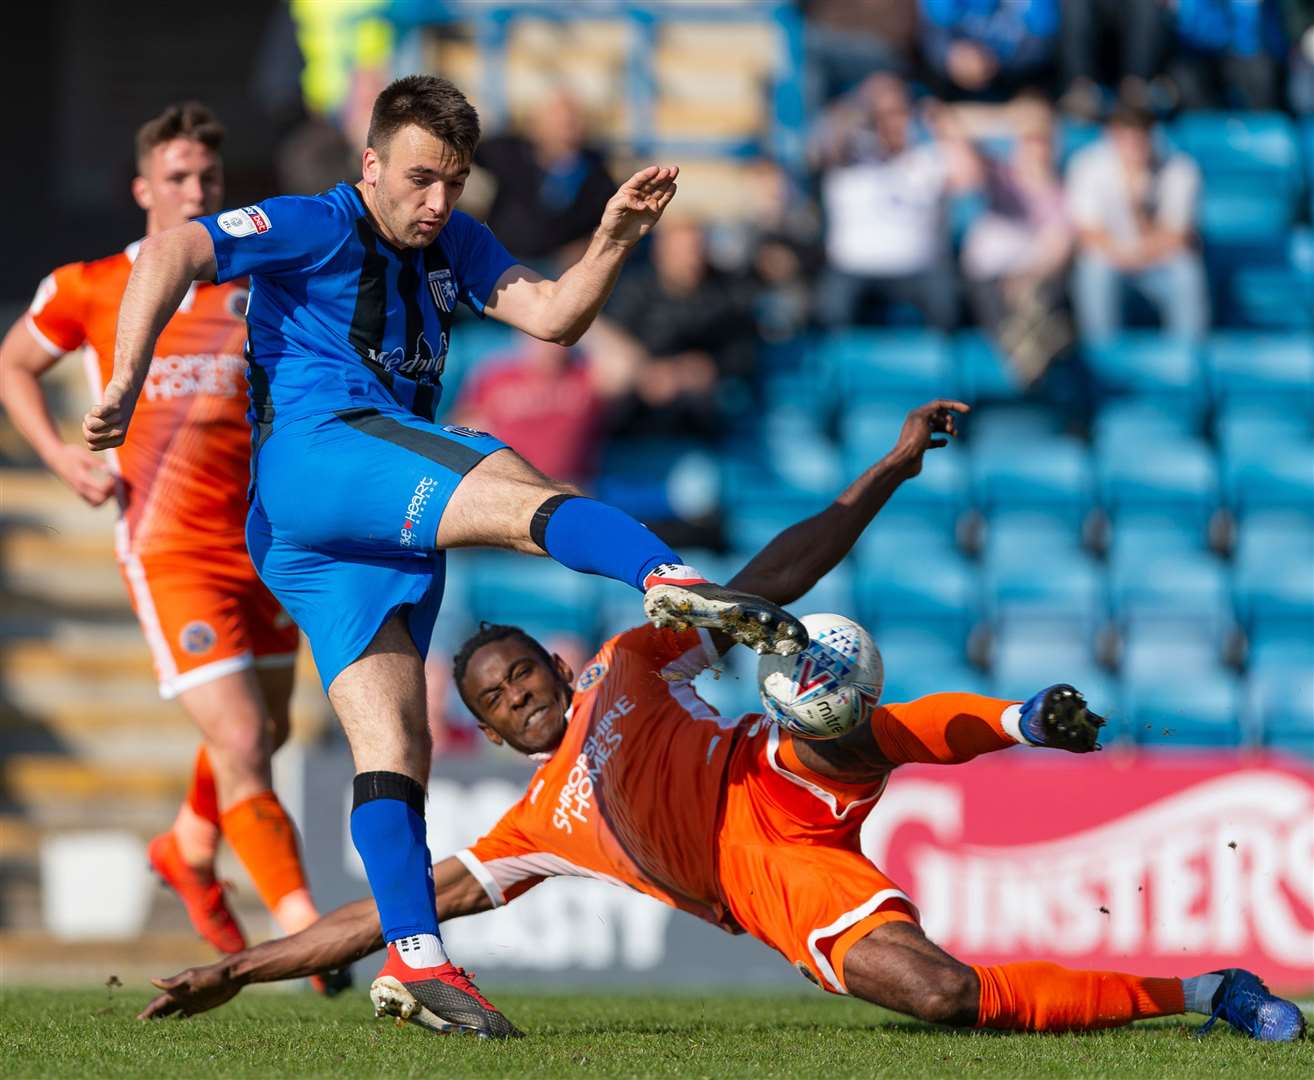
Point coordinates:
pixel 84 473
pixel 106 425
pixel 193 991
pixel 927 427
pixel 634 209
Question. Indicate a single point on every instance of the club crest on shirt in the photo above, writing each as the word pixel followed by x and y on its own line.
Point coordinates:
pixel 197 637
pixel 591 676
pixel 443 288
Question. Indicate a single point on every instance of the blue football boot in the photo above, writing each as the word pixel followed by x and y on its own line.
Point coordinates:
pixel 1058 717
pixel 1245 1003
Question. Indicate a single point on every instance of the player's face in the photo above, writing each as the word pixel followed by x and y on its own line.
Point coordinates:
pixel 416 180
pixel 519 698
pixel 180 180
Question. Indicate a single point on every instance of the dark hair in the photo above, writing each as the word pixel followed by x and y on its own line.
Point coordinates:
pixel 430 103
pixel 1132 117
pixel 182 120
pixel 486 635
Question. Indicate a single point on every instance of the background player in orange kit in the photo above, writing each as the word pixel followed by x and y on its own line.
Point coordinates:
pixel 735 821
pixel 221 644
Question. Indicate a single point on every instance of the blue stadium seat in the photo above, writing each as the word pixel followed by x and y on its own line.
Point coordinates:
pixel 1248 364
pixel 983 369
pixel 904 365
pixel 1186 589
pixel 1031 422
pixel 1257 428
pixel 1023 536
pixel 1277 477
pixel 1240 213
pixel 731 687
pixel 1147 362
pixel 1052 475
pixel 1274 594
pixel 919 661
pixel 1276 297
pixel 939 593
pixel 1142 537
pixel 1177 476
pixel 1128 421
pixel 1246 147
pixel 833 594
pixel 1282 708
pixel 939 494
pixel 1184 710
pixel 1268 534
pixel 505 587
pixel 897 537
pixel 1025 660
pixel 1063 589
pixel 1157 651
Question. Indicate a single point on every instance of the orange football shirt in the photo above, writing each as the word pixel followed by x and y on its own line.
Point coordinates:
pixel 183 469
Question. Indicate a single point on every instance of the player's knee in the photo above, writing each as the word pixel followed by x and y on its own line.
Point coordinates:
pixel 951 997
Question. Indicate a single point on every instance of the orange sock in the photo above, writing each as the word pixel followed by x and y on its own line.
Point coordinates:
pixel 944 729
pixel 259 831
pixel 201 795
pixel 1038 996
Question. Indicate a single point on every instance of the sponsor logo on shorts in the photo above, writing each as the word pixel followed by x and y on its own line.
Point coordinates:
pixel 415 508
pixel 465 432
pixel 248 221
pixel 591 676
pixel 443 289
pixel 197 637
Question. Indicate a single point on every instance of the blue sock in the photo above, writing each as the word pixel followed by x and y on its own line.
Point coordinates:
pixel 594 538
pixel 387 827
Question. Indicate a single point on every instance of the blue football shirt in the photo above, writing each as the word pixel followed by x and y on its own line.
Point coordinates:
pixel 338 318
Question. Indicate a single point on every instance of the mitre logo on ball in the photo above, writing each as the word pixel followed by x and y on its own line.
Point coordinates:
pixel 830 687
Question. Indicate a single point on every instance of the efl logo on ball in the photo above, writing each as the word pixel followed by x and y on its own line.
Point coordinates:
pixel 830 687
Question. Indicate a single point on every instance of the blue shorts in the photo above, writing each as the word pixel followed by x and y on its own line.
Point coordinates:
pixel 343 521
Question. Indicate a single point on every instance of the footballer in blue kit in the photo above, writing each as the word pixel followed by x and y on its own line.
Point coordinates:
pixel 356 491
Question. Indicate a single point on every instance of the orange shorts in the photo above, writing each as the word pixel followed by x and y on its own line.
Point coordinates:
pixel 789 861
pixel 206 615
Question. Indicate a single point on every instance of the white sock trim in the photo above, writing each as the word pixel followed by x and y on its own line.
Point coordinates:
pixel 421 950
pixel 675 572
pixel 1011 721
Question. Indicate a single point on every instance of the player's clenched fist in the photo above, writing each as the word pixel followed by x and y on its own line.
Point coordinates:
pixel 634 209
pixel 106 425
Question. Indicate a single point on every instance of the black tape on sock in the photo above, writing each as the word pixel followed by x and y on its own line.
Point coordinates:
pixel 539 522
pixel 368 786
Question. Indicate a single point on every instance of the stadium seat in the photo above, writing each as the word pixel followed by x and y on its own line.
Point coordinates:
pixel 906 684
pixel 1154 650
pixel 892 365
pixel 1281 704
pixel 939 593
pixel 1013 423
pixel 1258 149
pixel 505 587
pixel 1184 709
pixel 1051 475
pixel 939 494
pixel 731 686
pixel 896 537
pixel 1056 588
pixel 919 661
pixel 1177 476
pixel 1277 297
pixel 1183 588
pixel 1023 536
pixel 1274 594
pixel 1141 537
pixel 1279 476
pixel 983 370
pixel 1266 534
pixel 1248 429
pixel 1024 661
pixel 1147 362
pixel 1246 364
pixel 1127 421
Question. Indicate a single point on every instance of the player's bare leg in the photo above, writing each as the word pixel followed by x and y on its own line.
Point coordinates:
pixel 896 966
pixel 505 502
pixel 380 701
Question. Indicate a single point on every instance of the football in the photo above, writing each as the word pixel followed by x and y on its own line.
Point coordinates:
pixel 830 687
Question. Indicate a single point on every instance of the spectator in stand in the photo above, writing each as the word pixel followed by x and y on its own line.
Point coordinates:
pixel 683 327
pixel 1134 207
pixel 1118 43
pixel 1227 54
pixel 989 49
pixel 1016 252
pixel 847 40
pixel 550 186
pixel 884 195
pixel 543 399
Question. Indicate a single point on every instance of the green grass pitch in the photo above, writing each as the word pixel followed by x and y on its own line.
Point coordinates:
pixel 93 1033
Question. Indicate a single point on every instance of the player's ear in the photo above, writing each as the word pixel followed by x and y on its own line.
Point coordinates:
pixel 141 192
pixel 564 670
pixel 370 165
pixel 491 735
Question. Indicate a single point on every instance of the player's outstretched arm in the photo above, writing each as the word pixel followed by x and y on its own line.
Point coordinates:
pixel 563 309
pixel 165 267
pixel 335 940
pixel 800 556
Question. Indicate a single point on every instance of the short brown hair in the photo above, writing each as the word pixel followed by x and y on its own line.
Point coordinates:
pixel 430 103
pixel 1132 117
pixel 182 120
